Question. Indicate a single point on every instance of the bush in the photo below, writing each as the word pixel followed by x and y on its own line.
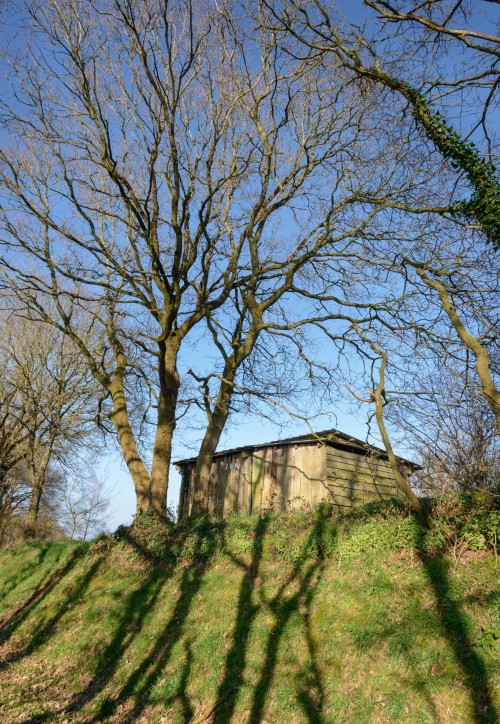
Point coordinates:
pixel 461 523
pixel 467 521
pixel 148 535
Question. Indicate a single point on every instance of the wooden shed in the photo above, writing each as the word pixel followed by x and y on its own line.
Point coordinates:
pixel 285 474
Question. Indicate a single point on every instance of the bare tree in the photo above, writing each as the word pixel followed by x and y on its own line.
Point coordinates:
pixel 398 349
pixel 473 342
pixel 48 402
pixel 85 507
pixel 377 396
pixel 174 167
pixel 167 157
pixel 14 498
pixel 74 503
pixel 382 61
pixel 12 431
pixel 460 452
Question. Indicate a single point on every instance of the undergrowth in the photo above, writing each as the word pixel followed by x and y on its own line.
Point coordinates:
pixel 460 524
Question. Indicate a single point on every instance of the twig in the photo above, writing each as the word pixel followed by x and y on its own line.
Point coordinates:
pixel 219 701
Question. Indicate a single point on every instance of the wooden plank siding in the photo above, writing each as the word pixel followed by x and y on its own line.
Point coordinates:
pixel 290 476
pixel 353 479
pixel 285 477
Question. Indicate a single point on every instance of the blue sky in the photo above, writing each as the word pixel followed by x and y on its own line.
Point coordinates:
pixel 249 429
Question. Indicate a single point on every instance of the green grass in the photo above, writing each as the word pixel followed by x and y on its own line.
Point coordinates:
pixel 298 618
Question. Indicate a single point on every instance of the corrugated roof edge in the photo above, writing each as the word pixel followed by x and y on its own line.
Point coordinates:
pixel 332 436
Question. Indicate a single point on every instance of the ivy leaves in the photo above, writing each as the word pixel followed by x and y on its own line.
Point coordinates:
pixel 483 207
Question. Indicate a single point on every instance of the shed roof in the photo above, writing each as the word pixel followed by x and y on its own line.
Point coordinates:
pixel 331 437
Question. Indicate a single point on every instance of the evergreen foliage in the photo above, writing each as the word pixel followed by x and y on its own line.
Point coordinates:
pixel 483 207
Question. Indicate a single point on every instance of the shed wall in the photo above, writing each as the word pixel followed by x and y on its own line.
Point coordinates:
pixel 355 479
pixel 289 476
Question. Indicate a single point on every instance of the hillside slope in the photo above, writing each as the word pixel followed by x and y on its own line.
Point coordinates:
pixel 297 618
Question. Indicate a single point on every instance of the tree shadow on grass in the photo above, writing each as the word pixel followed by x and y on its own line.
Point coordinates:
pixel 70 600
pixel 452 623
pixel 10 583
pixel 294 595
pixel 187 709
pixel 245 614
pixel 13 620
pixel 455 626
pixel 311 690
pixel 135 609
pixel 402 636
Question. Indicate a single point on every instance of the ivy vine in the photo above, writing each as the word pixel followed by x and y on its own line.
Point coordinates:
pixel 483 207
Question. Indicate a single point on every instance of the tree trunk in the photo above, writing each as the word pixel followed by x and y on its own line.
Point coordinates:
pixel 5 503
pixel 218 417
pixel 126 438
pixel 400 478
pixel 34 507
pixel 210 441
pixel 169 383
pixel 38 469
pixel 490 392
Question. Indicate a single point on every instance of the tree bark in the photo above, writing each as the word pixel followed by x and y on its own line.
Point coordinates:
pixel 400 478
pixel 218 417
pixel 169 383
pixel 34 508
pixel 483 360
pixel 38 471
pixel 210 441
pixel 137 469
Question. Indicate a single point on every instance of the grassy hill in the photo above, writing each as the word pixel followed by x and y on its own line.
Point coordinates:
pixel 296 618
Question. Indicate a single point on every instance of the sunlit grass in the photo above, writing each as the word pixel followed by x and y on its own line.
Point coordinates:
pixel 343 621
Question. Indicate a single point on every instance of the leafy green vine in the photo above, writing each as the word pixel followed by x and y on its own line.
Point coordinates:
pixel 484 204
